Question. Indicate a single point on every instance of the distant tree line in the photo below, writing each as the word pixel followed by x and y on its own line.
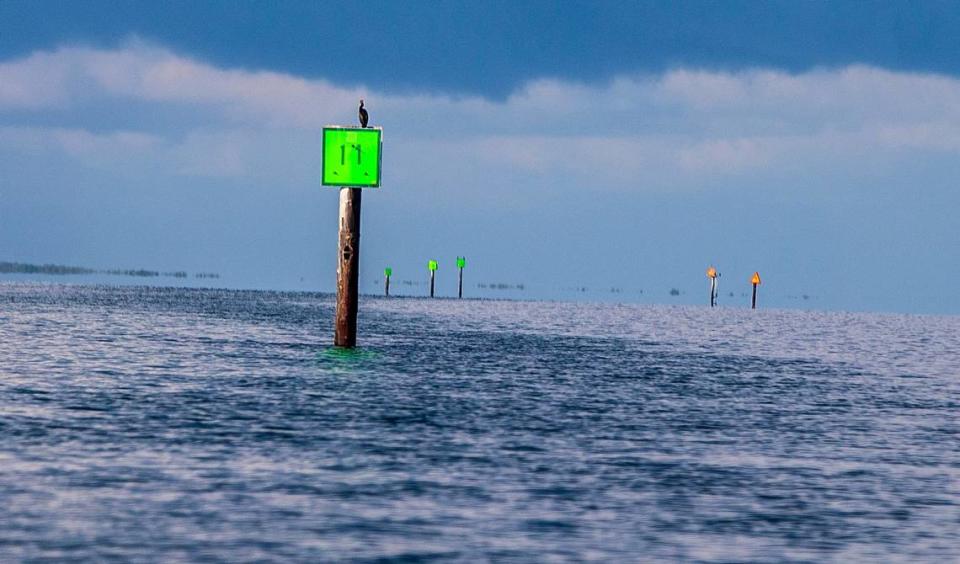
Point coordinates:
pixel 140 272
pixel 501 286
pixel 25 268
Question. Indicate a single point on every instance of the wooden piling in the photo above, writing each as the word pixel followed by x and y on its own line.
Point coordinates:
pixel 712 274
pixel 348 268
pixel 432 265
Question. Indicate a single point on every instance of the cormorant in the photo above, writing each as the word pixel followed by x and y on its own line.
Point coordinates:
pixel 364 117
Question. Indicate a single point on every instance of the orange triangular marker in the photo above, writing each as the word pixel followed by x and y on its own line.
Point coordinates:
pixel 756 278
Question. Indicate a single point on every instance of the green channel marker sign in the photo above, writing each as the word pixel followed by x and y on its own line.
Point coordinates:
pixel 432 265
pixel 387 272
pixel 461 262
pixel 352 156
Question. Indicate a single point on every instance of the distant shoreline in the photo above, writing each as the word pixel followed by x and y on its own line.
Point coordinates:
pixel 64 270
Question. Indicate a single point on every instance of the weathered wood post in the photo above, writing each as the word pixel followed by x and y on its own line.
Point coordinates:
pixel 712 274
pixel 348 268
pixel 386 285
pixel 432 265
pixel 351 161
pixel 756 282
pixel 461 262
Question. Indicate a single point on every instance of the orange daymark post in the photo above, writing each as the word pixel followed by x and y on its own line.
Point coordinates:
pixel 756 282
pixel 712 274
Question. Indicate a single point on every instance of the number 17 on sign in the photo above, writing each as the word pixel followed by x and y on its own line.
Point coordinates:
pixel 343 154
pixel 351 156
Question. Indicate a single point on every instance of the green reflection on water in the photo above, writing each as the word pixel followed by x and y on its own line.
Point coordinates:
pixel 339 359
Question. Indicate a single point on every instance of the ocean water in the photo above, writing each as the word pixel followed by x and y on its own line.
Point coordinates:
pixel 160 424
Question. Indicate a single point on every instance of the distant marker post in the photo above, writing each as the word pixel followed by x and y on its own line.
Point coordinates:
pixel 351 158
pixel 756 282
pixel 461 262
pixel 712 274
pixel 432 265
pixel 387 272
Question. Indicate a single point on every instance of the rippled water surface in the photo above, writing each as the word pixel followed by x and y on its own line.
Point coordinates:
pixel 145 424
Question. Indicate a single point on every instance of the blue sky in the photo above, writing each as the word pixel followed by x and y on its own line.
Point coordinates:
pixel 593 145
pixel 494 47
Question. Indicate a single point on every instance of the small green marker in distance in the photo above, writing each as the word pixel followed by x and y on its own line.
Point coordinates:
pixel 461 262
pixel 388 272
pixel 432 265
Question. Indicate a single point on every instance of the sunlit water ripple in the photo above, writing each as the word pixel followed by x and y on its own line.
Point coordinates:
pixel 146 424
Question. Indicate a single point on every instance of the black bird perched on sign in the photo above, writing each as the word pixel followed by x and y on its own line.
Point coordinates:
pixel 364 116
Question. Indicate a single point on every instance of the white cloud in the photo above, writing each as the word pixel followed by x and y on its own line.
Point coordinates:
pixel 77 142
pixel 681 124
pixel 219 154
pixel 35 82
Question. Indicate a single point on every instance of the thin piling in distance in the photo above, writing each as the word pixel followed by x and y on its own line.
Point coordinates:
pixel 712 274
pixel 756 282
